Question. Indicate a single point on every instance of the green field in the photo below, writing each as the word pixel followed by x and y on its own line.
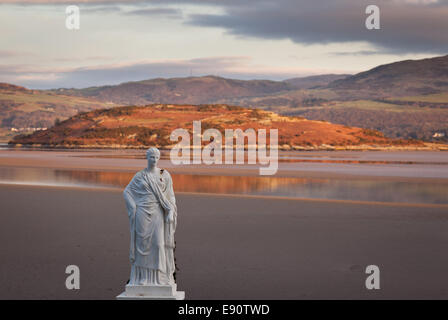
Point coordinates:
pixel 375 105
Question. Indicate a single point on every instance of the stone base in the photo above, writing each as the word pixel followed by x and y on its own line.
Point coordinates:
pixel 152 292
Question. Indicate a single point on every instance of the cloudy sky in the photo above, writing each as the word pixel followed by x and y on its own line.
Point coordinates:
pixel 128 40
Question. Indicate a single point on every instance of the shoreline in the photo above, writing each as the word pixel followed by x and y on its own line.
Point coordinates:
pixel 234 196
pixel 427 146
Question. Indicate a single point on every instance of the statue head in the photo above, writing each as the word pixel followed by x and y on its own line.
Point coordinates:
pixel 153 156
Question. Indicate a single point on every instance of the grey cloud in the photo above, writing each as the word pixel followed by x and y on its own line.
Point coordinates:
pixel 357 53
pixel 405 26
pixel 83 59
pixel 193 2
pixel 166 12
pixel 102 9
pixel 65 2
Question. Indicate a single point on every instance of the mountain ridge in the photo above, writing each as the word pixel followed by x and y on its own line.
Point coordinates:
pixel 404 99
pixel 423 76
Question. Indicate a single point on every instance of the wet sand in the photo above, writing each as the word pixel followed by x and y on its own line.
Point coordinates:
pixel 228 247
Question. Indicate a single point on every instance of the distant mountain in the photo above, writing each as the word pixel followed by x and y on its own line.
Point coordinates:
pixel 138 127
pixel 313 82
pixel 406 99
pixel 196 90
pixel 404 78
pixel 190 90
pixel 409 77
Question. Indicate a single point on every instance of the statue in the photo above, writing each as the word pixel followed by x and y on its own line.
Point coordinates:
pixel 152 212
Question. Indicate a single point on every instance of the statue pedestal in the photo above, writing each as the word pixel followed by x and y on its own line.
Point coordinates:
pixel 151 292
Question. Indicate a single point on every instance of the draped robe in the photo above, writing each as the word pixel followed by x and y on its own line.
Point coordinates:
pixel 149 197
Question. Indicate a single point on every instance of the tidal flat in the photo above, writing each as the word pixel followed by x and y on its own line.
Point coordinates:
pixel 237 237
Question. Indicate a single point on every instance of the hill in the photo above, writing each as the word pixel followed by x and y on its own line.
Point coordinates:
pixel 398 79
pixel 197 90
pixel 143 126
pixel 190 90
pixel 24 111
pixel 313 82
pixel 406 99
pixel 403 78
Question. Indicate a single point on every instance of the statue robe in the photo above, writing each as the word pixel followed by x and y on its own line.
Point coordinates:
pixel 149 197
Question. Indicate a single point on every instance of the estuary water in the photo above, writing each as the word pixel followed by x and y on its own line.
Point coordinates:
pixel 393 189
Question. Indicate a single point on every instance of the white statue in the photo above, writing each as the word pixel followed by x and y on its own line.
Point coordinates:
pixel 152 211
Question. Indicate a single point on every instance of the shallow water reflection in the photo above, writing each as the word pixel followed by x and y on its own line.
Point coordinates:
pixel 343 189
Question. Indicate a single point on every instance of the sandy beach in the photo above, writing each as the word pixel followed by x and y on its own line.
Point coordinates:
pixel 270 150
pixel 228 247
